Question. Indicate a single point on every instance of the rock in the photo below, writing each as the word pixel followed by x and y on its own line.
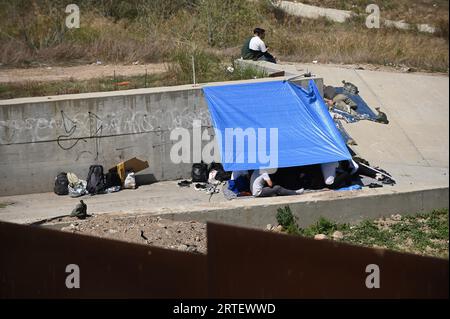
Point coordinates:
pixel 320 237
pixel 192 249
pixel 269 227
pixel 407 69
pixel 182 247
pixel 337 235
pixel 279 228
pixel 112 231
pixel 197 238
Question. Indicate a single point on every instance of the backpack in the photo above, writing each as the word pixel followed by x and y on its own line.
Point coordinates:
pixel 350 88
pixel 221 174
pixel 80 211
pixel 199 173
pixel 95 180
pixel 112 179
pixel 61 184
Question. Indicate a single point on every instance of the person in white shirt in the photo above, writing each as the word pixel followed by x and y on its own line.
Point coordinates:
pixel 255 49
pixel 261 186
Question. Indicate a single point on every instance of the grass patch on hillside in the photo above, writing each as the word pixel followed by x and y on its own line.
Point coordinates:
pixel 207 70
pixel 152 30
pixel 423 234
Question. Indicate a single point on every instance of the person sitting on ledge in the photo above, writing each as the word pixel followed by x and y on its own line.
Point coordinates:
pixel 261 186
pixel 255 49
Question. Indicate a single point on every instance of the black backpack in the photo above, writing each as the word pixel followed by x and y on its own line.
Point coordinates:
pixel 199 173
pixel 95 180
pixel 112 179
pixel 61 184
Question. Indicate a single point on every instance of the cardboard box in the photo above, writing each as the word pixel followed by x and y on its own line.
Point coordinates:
pixel 134 164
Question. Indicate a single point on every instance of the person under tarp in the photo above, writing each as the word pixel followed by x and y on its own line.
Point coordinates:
pixel 262 186
pixel 273 124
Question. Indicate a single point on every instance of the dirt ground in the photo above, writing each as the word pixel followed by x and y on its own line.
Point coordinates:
pixel 185 236
pixel 422 234
pixel 81 72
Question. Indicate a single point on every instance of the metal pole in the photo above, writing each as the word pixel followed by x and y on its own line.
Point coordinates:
pixel 193 69
pixel 145 77
pixel 374 169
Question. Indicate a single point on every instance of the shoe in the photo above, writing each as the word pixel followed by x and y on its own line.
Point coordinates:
pixel 185 183
pixel 300 191
pixel 199 187
pixel 379 177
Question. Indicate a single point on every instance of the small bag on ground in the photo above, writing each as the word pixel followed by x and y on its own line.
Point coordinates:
pixel 130 181
pixel 61 184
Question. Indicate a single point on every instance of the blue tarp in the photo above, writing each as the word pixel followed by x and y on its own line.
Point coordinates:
pixel 306 133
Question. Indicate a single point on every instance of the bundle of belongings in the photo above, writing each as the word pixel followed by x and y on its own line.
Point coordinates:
pixel 309 154
pixel 345 103
pixel 206 177
pixel 338 176
pixel 121 176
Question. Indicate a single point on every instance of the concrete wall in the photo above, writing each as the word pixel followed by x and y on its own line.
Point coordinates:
pixel 351 209
pixel 40 137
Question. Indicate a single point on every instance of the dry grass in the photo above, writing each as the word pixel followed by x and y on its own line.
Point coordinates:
pixel 151 31
pixel 208 69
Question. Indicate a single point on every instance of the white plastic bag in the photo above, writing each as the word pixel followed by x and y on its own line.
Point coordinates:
pixel 130 181
pixel 78 189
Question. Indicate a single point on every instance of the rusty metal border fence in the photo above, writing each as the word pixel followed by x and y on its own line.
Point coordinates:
pixel 247 263
pixel 33 264
pixel 240 263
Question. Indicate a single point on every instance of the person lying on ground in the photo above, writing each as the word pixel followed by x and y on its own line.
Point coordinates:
pixel 261 186
pixel 255 49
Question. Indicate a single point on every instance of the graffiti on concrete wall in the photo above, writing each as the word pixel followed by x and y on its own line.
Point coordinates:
pixel 89 124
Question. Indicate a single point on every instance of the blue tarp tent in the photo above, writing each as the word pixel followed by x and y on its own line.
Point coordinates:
pixel 255 121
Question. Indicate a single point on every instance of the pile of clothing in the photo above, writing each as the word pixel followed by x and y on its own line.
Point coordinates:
pixel 206 177
pixel 345 103
pixel 96 182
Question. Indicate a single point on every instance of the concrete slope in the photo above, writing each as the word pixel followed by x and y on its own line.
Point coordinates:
pixel 414 145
